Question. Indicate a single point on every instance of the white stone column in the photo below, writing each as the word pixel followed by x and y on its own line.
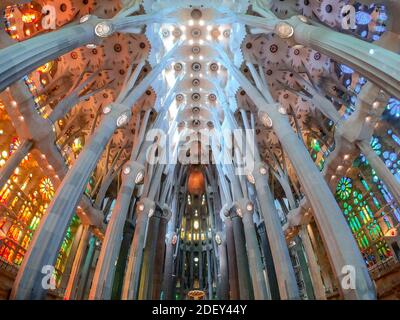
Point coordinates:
pixel 170 242
pixel 144 209
pixel 48 238
pixel 315 273
pixel 71 257
pixel 23 57
pixel 102 283
pixel 242 261
pixel 339 241
pixel 341 246
pixel 322 258
pixel 232 263
pixel 245 209
pixel 13 162
pixel 86 272
pixel 268 262
pixel 280 254
pixel 159 259
pixel 70 291
pixel 154 230
pixel 223 283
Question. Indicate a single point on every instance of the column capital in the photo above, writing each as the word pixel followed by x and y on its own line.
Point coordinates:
pixel 284 30
pixel 298 216
pixel 260 168
pixel 171 237
pixel 220 238
pixel 243 206
pixel 133 170
pixel 260 173
pixel 119 112
pixel 224 212
pixel 147 206
pixel 263 113
pixel 166 212
pixel 102 28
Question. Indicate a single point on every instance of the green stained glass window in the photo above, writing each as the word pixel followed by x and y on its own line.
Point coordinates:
pixel 315 145
pixel 359 207
pixel 376 202
pixel 343 189
pixel 365 184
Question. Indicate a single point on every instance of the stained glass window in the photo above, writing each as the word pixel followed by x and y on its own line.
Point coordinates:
pixel 393 108
pixel 359 206
pixel 343 188
pixel 46 189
